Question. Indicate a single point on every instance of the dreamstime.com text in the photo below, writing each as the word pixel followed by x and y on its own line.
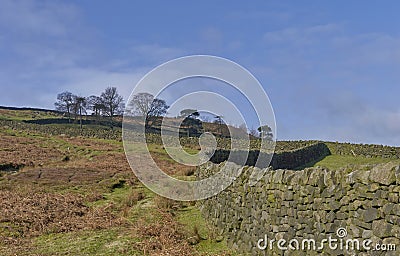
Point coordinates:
pixel 339 242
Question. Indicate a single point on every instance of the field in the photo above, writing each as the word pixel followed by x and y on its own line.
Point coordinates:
pixel 66 194
pixel 70 195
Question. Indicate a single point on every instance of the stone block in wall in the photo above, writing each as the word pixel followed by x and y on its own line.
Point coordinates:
pixel 384 174
pixel 345 200
pixel 393 219
pixel 387 209
pixel 328 192
pixel 381 194
pixel 393 197
pixel 370 214
pixel 372 187
pixel 342 216
pixel 381 228
pixel 278 176
pixel 360 176
pixel 316 178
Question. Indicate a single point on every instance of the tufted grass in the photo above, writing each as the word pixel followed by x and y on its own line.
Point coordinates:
pixel 210 243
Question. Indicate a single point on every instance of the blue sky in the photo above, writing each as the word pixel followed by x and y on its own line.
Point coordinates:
pixel 330 68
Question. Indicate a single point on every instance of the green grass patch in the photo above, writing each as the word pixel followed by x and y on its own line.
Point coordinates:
pixel 116 196
pixel 193 223
pixel 339 161
pixel 99 242
pixel 160 152
pixel 20 115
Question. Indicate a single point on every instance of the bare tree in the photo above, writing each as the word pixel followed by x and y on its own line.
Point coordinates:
pixel 141 103
pixel 65 102
pixel 95 104
pixel 145 105
pixel 112 102
pixel 80 104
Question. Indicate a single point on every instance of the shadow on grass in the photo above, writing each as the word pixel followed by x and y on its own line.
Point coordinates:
pixel 310 164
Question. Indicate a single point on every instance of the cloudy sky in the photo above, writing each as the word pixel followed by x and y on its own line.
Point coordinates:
pixel 331 68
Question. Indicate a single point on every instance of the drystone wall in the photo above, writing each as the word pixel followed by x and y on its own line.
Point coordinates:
pixel 282 160
pixel 366 150
pixel 360 208
pixel 92 132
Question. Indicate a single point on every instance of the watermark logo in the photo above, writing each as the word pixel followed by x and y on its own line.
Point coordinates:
pixel 341 232
pixel 145 107
pixel 339 242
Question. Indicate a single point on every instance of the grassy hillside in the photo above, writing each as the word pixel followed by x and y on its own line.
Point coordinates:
pixel 27 114
pixel 62 194
pixel 67 191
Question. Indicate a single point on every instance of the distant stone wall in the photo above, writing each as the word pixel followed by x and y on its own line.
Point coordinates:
pixel 309 204
pixel 72 131
pixel 366 150
pixel 282 160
